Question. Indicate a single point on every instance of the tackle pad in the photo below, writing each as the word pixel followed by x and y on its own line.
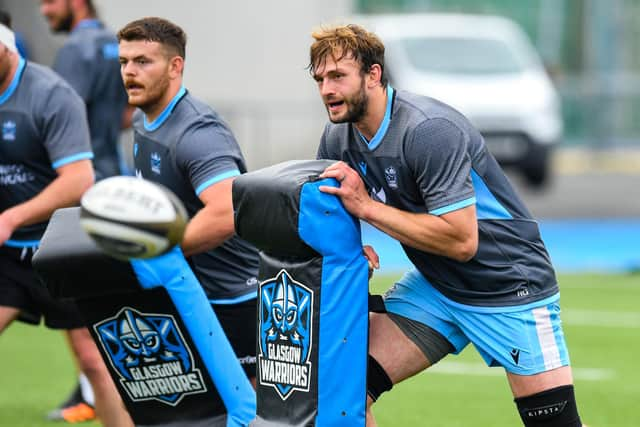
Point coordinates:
pixel 313 297
pixel 155 329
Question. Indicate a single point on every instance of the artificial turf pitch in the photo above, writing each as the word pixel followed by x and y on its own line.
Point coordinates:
pixel 601 318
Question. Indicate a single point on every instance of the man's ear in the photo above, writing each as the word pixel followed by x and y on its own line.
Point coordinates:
pixel 374 76
pixel 176 66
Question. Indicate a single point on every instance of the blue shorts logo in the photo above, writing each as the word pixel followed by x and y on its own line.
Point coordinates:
pixel 150 356
pixel 286 312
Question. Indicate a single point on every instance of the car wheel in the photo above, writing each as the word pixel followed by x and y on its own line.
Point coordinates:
pixel 536 167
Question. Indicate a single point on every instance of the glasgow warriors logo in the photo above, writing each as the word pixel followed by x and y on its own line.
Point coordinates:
pixel 286 313
pixel 150 355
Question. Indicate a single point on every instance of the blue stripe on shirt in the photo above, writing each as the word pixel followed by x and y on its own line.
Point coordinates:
pixel 386 120
pixel 14 81
pixel 208 183
pixel 164 115
pixel 22 243
pixel 70 159
pixel 454 207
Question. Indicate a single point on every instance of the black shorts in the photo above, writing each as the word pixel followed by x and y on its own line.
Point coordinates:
pixel 21 288
pixel 239 324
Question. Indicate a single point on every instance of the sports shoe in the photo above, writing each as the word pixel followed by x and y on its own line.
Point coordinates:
pixel 74 410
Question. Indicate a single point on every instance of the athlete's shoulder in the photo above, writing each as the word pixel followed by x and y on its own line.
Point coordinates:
pixel 419 112
pixel 40 79
pixel 420 108
pixel 193 112
pixel 87 42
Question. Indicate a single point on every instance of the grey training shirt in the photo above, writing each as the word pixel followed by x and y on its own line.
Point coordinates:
pixel 187 149
pixel 427 158
pixel 44 127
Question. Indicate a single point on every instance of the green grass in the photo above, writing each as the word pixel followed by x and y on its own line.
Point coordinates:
pixel 601 324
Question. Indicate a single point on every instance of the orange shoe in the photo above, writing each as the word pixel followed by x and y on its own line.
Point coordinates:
pixel 78 413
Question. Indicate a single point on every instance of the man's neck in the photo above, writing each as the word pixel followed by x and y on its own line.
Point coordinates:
pixel 376 108
pixel 154 111
pixel 80 16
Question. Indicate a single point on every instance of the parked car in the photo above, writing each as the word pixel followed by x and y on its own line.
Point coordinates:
pixel 485 67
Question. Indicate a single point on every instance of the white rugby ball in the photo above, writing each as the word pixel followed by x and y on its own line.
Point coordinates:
pixel 130 217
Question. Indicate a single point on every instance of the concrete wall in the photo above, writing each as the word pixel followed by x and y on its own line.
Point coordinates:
pixel 246 58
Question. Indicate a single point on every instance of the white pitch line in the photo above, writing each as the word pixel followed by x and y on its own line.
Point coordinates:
pixel 477 369
pixel 597 318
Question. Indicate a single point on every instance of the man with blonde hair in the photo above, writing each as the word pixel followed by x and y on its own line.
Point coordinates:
pixel 417 170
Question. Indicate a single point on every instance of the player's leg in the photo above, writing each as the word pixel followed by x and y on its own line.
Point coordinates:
pixel 109 406
pixel 65 315
pixel 546 399
pixel 7 315
pixel 80 404
pixel 394 358
pixel 529 343
pixel 413 335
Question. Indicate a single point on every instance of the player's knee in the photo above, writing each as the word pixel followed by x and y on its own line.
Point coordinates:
pixel 551 408
pixel 377 379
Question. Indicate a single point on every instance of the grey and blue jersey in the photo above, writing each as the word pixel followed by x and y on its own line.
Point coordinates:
pixel 427 158
pixel 188 148
pixel 88 61
pixel 44 127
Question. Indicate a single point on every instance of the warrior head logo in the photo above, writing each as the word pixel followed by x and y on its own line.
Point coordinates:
pixel 140 340
pixel 285 334
pixel 149 354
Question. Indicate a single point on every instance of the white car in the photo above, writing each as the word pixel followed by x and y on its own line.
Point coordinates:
pixel 485 67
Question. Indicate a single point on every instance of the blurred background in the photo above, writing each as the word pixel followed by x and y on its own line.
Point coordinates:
pixel 248 60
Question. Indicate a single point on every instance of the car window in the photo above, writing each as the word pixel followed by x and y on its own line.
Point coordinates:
pixel 463 56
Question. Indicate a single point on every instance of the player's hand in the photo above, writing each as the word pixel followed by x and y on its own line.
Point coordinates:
pixel 351 191
pixel 372 258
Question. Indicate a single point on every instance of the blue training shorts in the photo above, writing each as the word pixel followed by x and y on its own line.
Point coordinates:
pixel 525 339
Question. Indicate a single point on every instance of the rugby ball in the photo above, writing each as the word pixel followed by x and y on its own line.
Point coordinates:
pixel 131 217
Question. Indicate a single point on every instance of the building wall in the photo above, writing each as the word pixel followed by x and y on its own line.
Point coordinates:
pixel 245 58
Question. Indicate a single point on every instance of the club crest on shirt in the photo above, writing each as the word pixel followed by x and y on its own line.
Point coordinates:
pixel 156 162
pixel 286 313
pixel 9 130
pixel 391 176
pixel 150 356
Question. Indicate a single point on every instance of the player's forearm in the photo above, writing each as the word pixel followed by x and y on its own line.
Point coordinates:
pixel 207 230
pixel 425 232
pixel 64 191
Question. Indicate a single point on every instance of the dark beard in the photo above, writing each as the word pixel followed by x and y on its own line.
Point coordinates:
pixel 65 25
pixel 356 107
